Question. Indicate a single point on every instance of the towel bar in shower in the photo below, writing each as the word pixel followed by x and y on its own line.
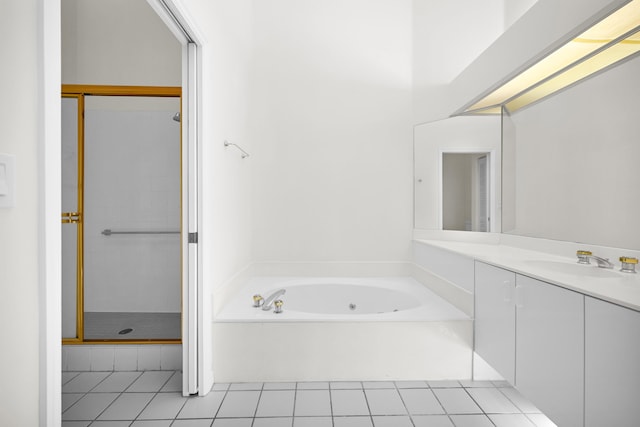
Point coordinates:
pixel 109 232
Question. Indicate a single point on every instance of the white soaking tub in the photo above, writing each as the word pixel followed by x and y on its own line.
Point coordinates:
pixel 341 329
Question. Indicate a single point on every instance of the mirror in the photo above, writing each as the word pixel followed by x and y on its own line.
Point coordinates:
pixel 570 163
pixel 456 161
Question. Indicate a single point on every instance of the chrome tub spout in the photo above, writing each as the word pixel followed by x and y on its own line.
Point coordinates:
pixel 268 302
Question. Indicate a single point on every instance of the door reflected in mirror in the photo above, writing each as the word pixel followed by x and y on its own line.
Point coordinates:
pixel 466 192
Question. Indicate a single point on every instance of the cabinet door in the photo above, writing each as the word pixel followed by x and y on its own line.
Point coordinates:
pixel 495 318
pixel 612 365
pixel 550 349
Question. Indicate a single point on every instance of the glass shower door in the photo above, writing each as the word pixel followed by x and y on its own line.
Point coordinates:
pixel 71 217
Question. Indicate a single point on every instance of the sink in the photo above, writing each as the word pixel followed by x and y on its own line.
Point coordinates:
pixel 592 270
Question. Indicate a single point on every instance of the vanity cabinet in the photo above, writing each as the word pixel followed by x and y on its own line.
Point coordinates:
pixel 612 365
pixel 549 356
pixel 495 318
pixel 532 333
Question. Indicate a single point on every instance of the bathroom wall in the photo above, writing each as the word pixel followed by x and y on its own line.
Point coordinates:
pixel 331 131
pixel 20 258
pixel 576 162
pixel 117 42
pixel 447 37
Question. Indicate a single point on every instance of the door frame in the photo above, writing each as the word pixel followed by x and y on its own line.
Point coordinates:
pixel 177 20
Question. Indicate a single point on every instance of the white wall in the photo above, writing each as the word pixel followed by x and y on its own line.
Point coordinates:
pixel 117 42
pixel 331 130
pixel 19 226
pixel 577 162
pixel 514 9
pixel 447 37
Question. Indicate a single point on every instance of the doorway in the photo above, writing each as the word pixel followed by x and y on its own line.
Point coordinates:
pixel 121 221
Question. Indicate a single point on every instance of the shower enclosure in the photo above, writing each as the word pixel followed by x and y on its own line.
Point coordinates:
pixel 121 191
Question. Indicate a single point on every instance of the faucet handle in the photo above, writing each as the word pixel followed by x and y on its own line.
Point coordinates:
pixel 583 256
pixel 628 264
pixel 258 300
pixel 278 303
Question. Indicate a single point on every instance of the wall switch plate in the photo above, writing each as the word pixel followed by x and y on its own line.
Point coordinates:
pixel 7 180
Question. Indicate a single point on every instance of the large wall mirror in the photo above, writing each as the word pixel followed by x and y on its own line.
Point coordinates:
pixel 568 165
pixel 457 174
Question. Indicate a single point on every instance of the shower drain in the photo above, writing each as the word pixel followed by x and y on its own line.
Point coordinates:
pixel 125 331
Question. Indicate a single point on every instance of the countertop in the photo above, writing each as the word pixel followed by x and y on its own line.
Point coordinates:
pixel 607 284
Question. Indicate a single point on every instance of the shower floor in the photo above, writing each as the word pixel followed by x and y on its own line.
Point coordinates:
pixel 144 326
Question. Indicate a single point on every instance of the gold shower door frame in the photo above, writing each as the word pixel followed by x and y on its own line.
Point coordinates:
pixel 79 92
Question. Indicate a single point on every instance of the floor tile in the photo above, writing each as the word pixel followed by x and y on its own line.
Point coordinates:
pixel 276 403
pixel 421 401
pixel 432 421
pixel 444 384
pixel 84 382
pixel 235 422
pixel 312 422
pixel 111 423
pixel 279 386
pixel 471 421
pixel 345 385
pixel 520 401
pixel 352 422
pixel 385 402
pixel 152 423
pixel 378 384
pixel 150 381
pixel 245 386
pixel 202 406
pixel 174 384
pixel 456 401
pixel 192 423
pixel 492 401
pixel 69 399
pixel 312 403
pixel 163 406
pixel 273 422
pixel 541 420
pixel 220 387
pixel 127 406
pixel 501 383
pixel 239 404
pixel 510 420
pixel 117 382
pixel 392 421
pixel 349 402
pixel 75 423
pixel 472 384
pixel 68 376
pixel 89 407
pixel 412 384
pixel 313 385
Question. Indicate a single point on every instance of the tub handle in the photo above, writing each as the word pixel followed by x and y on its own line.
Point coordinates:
pixel 278 303
pixel 258 300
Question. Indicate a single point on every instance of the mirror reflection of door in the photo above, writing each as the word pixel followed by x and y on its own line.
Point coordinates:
pixel 465 192
pixel 121 166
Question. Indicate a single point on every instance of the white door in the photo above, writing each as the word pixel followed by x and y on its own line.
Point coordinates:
pixel 550 349
pixel 495 318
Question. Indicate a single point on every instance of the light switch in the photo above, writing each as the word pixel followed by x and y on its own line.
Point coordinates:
pixel 7 184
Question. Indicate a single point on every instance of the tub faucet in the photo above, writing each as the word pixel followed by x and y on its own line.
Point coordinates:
pixel 268 303
pixel 585 256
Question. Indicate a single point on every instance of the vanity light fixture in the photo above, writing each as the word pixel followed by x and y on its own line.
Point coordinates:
pixel 608 42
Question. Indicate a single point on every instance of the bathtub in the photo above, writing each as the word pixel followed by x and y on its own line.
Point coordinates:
pixel 391 328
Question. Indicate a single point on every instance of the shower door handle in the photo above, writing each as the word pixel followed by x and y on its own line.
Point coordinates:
pixel 71 217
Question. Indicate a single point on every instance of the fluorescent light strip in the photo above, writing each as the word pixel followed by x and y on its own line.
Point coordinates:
pixel 526 87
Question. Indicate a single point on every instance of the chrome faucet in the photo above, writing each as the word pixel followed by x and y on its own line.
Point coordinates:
pixel 585 256
pixel 268 303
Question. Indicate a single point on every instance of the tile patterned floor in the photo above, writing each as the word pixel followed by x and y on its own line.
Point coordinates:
pixel 153 399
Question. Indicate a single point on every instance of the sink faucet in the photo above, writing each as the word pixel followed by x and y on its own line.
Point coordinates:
pixel 585 256
pixel 268 303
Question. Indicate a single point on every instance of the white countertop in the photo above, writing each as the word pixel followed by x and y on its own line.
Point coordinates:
pixel 606 284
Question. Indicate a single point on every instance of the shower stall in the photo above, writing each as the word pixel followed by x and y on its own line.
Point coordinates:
pixel 121 220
